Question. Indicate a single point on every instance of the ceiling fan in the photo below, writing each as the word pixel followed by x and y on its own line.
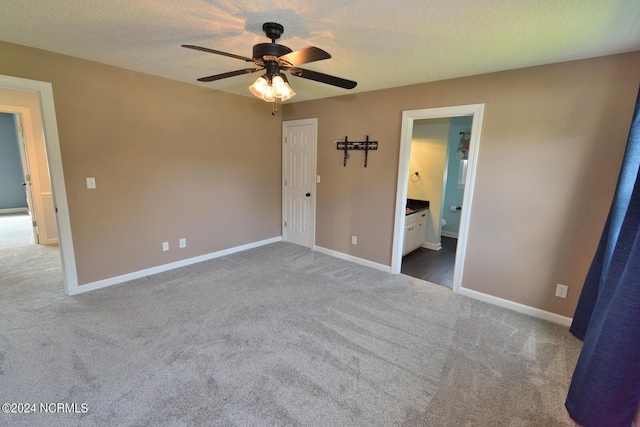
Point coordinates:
pixel 274 59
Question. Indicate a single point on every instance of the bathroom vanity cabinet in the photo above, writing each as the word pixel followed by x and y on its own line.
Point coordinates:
pixel 415 226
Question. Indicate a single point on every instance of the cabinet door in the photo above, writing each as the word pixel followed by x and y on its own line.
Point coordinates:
pixel 406 245
pixel 410 238
pixel 421 236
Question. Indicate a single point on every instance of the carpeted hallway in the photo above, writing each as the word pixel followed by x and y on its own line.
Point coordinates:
pixel 273 336
pixel 15 230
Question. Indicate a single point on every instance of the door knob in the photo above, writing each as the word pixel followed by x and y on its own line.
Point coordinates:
pixel 308 194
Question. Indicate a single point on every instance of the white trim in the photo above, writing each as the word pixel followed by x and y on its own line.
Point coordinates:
pixel 312 175
pixel 171 266
pixel 44 90
pixel 520 308
pixel 14 210
pixel 432 246
pixel 451 234
pixel 408 117
pixel 353 259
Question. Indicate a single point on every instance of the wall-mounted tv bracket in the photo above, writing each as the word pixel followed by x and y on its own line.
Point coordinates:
pixel 347 145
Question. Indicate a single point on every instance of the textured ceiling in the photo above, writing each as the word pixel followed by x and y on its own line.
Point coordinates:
pixel 380 44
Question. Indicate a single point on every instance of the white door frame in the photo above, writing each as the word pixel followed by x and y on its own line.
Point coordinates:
pixel 312 172
pixel 408 117
pixel 44 91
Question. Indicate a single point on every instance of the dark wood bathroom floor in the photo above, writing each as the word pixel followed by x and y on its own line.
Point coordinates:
pixel 432 266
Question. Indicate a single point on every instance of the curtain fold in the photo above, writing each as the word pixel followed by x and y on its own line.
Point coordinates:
pixel 605 389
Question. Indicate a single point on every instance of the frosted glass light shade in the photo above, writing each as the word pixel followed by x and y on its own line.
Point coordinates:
pixel 259 88
pixel 290 95
pixel 268 95
pixel 268 91
pixel 280 88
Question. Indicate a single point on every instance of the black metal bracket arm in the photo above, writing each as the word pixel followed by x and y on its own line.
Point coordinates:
pixel 347 145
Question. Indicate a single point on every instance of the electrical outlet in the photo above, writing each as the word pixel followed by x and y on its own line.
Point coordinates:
pixel 562 290
pixel 165 246
pixel 183 243
pixel 354 240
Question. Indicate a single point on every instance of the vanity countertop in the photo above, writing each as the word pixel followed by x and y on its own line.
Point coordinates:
pixel 414 206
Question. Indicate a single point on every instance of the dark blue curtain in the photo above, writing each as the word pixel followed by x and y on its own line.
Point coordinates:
pixel 605 389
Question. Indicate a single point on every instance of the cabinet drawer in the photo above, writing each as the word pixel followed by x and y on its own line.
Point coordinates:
pixel 414 218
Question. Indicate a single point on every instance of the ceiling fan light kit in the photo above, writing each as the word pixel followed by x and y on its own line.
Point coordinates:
pixel 274 58
pixel 268 88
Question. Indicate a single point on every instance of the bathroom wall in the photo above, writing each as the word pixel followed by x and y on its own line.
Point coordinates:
pixel 453 194
pixel 428 158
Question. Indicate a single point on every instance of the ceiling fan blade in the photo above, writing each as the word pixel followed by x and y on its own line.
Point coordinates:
pixel 304 56
pixel 217 52
pixel 229 74
pixel 322 78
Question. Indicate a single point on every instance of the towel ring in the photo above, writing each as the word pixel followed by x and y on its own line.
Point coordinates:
pixel 416 175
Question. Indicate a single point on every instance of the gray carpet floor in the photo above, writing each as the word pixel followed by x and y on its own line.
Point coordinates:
pixel 274 336
pixel 15 230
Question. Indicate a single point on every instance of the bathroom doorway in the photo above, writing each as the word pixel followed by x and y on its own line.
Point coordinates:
pixel 12 90
pixel 437 164
pixel 437 235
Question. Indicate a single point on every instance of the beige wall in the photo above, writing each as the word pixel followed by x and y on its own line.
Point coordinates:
pixel 551 147
pixel 176 160
pixel 170 159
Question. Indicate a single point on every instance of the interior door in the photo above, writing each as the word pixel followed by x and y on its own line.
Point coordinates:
pixel 27 176
pixel 299 172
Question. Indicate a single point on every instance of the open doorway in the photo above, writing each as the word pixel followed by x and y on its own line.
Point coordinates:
pixel 439 117
pixel 25 186
pixel 18 226
pixel 12 90
pixel 437 164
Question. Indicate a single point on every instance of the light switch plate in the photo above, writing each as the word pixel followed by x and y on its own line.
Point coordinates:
pixel 562 290
pixel 91 183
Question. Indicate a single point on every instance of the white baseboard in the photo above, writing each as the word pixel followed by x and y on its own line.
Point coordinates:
pixel 14 210
pixel 166 267
pixel 432 246
pixel 346 257
pixel 452 234
pixel 520 308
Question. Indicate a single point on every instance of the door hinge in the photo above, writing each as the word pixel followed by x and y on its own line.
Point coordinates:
pixel 27 178
pixel 35 223
pixel 285 224
pixel 285 182
pixel 20 129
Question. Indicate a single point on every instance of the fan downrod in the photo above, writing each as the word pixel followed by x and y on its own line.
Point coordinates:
pixel 273 30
